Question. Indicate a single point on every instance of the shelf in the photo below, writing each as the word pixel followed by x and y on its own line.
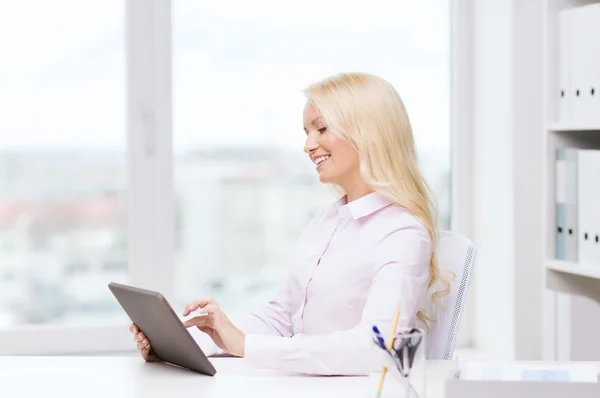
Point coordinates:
pixel 572 278
pixel 557 126
pixel 573 268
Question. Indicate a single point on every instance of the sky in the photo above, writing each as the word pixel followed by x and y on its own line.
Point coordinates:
pixel 239 68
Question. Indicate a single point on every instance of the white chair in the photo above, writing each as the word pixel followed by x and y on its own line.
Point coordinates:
pixel 455 253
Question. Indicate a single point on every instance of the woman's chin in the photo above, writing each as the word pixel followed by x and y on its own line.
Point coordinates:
pixel 324 179
pixel 328 176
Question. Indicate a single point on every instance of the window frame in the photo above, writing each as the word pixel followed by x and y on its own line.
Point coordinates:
pixel 461 130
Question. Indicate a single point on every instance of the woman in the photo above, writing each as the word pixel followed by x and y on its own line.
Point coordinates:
pixel 366 255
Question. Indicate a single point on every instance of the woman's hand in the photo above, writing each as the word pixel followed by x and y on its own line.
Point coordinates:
pixel 215 323
pixel 143 345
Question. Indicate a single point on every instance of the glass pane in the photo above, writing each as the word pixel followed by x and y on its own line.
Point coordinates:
pixel 245 189
pixel 62 165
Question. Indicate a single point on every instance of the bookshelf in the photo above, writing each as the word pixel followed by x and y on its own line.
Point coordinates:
pixel 571 127
pixel 572 268
pixel 571 287
pixel 562 276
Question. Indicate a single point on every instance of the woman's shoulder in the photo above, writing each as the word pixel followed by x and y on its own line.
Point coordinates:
pixel 395 218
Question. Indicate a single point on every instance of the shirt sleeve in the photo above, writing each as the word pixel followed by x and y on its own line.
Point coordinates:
pixel 400 280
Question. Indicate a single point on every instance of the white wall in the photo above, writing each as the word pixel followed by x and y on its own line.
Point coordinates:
pixel 493 189
pixel 528 196
pixel 507 191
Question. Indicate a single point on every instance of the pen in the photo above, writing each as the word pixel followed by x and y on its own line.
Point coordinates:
pixel 390 346
pixel 379 337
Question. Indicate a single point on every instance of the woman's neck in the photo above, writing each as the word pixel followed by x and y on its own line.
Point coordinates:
pixel 356 190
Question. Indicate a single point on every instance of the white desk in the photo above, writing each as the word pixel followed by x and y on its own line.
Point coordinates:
pixel 84 377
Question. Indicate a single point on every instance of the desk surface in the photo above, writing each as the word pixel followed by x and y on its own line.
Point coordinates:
pixel 131 377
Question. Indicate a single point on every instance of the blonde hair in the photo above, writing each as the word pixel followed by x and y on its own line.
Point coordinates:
pixel 367 111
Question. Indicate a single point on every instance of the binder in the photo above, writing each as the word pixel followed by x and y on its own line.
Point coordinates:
pixel 596 226
pixel 564 64
pixel 577 70
pixel 589 207
pixel 571 205
pixel 566 232
pixel 585 63
pixel 560 198
pixel 593 40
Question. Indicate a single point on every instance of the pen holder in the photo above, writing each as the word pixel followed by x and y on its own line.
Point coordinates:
pixel 405 363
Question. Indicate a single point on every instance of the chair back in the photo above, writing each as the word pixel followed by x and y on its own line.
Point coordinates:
pixel 456 254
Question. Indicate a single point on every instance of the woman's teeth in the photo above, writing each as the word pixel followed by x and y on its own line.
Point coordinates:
pixel 321 159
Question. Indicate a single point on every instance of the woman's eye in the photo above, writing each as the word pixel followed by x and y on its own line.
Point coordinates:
pixel 322 130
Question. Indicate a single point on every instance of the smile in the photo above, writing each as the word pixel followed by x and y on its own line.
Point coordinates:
pixel 321 159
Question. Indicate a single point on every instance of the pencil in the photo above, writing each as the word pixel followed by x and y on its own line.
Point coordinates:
pixel 390 346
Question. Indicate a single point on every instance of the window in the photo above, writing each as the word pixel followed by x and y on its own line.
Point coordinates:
pixel 62 161
pixel 245 190
pixel 86 186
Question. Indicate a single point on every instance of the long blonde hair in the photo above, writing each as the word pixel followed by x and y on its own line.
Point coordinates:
pixel 367 111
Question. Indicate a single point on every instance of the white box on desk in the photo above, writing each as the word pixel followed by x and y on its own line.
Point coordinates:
pixel 523 379
pixel 456 388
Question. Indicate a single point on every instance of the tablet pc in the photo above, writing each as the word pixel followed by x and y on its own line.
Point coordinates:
pixel 170 340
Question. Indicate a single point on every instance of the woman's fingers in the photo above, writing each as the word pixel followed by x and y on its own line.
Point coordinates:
pixel 139 336
pixel 148 354
pixel 209 309
pixel 199 321
pixel 199 303
pixel 206 329
pixel 143 345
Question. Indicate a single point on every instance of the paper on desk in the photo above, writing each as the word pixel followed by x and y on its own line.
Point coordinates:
pixel 529 372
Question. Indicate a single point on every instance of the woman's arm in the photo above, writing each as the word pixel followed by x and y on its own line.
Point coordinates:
pixel 400 281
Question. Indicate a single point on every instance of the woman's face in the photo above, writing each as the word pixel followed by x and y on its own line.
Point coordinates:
pixel 335 159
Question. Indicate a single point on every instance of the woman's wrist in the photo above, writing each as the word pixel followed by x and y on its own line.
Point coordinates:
pixel 240 346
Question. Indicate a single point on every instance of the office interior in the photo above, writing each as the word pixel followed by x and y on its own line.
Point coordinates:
pixel 159 143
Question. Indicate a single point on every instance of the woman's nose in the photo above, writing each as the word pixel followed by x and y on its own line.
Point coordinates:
pixel 311 144
pixel 310 147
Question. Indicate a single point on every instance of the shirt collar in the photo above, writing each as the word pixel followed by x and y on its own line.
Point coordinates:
pixel 363 206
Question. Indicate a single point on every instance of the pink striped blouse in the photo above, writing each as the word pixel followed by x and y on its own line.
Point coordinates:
pixel 356 263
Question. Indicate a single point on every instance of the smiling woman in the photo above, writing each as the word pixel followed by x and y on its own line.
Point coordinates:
pixel 332 155
pixel 362 259
pixel 237 135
